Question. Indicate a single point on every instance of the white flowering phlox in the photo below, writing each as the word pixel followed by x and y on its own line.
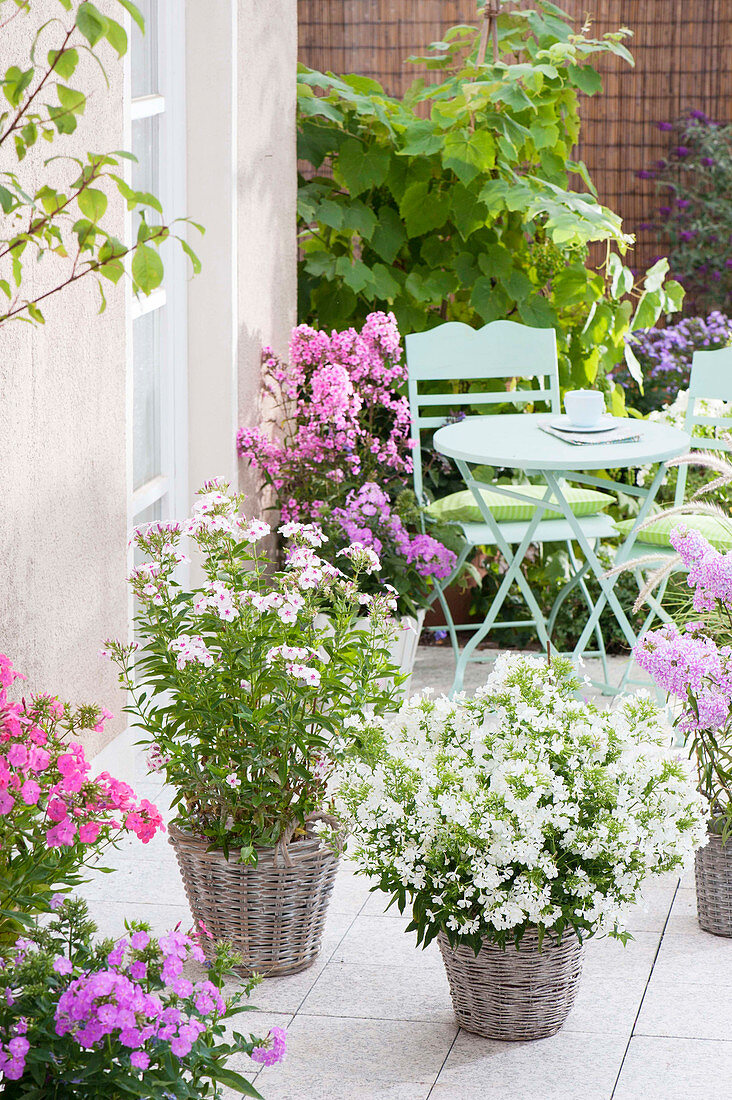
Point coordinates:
pixel 191 648
pixel 520 808
pixel 363 558
pixel 245 682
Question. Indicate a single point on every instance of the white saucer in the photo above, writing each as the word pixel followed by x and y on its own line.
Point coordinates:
pixel 564 424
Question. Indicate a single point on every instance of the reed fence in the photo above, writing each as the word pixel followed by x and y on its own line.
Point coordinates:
pixel 683 52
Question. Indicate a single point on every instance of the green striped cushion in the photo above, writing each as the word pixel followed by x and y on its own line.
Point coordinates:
pixel 462 507
pixel 718 532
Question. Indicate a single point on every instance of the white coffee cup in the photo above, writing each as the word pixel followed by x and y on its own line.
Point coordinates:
pixel 584 407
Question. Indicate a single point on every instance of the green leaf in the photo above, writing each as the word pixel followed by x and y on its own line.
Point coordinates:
pixel 384 284
pixel 91 23
pixel 70 99
pixel 389 235
pixel 655 275
pixel 134 12
pixel 545 134
pixel 584 77
pixel 496 261
pixel 330 213
pixel 538 312
pixel 6 200
pixel 354 273
pixel 570 285
pixel 634 368
pixel 673 296
pixel 469 154
pixel 195 261
pixel 621 277
pixel 64 62
pixel 113 270
pixel 359 218
pixel 35 313
pixel 423 209
pixel 147 268
pixel 491 302
pixel 518 285
pixel 647 311
pixel 92 203
pixel 15 82
pixel 117 37
pixel 468 212
pixel 421 140
pixel 361 166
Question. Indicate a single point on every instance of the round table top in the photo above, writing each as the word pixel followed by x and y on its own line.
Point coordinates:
pixel 515 440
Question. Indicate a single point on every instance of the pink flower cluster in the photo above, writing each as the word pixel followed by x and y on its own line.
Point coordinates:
pixel 690 663
pixel 274 1051
pixel 45 779
pixel 12 1054
pixel 710 572
pixel 111 1004
pixel 343 417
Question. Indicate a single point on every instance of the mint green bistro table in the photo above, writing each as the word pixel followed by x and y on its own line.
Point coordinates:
pixel 515 441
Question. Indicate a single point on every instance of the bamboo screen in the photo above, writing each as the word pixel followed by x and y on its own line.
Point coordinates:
pixel 683 52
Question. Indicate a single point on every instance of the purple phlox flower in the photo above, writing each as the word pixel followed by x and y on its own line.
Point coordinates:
pixel 274 1051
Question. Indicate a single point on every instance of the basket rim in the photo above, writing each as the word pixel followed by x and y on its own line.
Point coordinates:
pixel 299 850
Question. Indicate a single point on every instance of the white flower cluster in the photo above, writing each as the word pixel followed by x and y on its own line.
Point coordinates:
pixel 521 807
pixel 220 599
pixel 191 647
pixel 294 655
pixel 363 558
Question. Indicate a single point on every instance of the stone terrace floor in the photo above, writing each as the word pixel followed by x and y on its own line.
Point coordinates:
pixel 372 1019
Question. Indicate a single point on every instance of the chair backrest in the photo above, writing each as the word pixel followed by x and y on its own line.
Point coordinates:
pixel 455 352
pixel 710 380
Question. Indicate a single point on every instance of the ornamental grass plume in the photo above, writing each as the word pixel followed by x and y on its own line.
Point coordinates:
pixel 520 808
pixel 54 817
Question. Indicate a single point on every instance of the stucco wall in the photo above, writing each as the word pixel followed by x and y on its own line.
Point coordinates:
pixel 63 520
pixel 242 185
pixel 62 442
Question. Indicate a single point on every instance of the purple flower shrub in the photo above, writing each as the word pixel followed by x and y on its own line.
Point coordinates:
pixel 665 355
pixel 694 664
pixel 338 452
pixel 695 215
pixel 139 1015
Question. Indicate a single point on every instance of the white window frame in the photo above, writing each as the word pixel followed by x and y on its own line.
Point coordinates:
pixel 171 485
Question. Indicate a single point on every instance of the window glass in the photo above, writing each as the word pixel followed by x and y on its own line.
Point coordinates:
pixel 146 398
pixel 144 51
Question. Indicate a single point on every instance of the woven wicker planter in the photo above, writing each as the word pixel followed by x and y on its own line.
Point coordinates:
pixel 713 868
pixel 272 914
pixel 514 994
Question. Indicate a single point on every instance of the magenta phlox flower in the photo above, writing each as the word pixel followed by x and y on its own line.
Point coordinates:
pixel 274 1051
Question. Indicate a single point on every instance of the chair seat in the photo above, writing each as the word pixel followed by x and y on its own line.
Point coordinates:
pixel 549 530
pixel 717 531
pixel 462 507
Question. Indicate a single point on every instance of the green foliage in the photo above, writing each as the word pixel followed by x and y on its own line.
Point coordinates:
pixel 37 102
pixel 468 214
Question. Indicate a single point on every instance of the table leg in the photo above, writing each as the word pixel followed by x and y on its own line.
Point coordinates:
pixel 514 561
pixel 607 584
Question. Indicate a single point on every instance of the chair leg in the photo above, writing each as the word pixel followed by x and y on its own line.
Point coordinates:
pixel 598 629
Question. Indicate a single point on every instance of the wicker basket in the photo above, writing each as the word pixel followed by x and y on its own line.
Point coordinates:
pixel 713 867
pixel 272 914
pixel 514 994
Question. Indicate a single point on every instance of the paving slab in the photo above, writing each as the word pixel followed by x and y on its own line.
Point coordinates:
pixel 566 1066
pixel 675 1069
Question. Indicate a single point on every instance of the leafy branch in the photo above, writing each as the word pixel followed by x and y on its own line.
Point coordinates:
pixel 68 221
